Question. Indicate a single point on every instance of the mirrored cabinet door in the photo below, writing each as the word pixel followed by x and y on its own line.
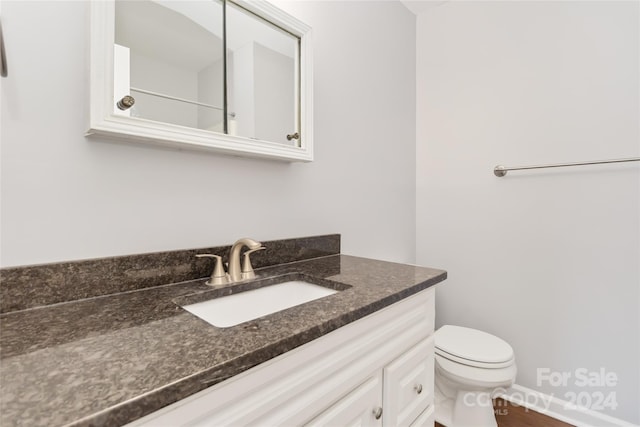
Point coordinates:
pixel 262 78
pixel 168 59
pixel 231 76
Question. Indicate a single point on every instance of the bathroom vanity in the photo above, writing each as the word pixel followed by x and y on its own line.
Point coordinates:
pixel 376 371
pixel 135 356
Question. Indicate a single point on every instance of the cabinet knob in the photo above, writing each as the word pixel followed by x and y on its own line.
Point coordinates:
pixel 126 102
pixel 377 413
pixel 418 388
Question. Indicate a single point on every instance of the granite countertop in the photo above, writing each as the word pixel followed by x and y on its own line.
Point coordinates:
pixel 111 359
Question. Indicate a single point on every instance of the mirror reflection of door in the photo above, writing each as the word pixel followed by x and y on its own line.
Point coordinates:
pixel 168 56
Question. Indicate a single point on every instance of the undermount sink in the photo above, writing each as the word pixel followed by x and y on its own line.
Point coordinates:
pixel 234 309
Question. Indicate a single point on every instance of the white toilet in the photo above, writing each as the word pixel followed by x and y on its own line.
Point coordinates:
pixel 471 366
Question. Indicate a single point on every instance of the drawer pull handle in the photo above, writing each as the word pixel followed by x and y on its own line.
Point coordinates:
pixel 418 388
pixel 377 413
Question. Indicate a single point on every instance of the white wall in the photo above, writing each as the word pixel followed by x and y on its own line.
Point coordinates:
pixel 67 197
pixel 547 260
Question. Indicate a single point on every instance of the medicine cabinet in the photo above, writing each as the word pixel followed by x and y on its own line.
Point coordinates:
pixel 233 76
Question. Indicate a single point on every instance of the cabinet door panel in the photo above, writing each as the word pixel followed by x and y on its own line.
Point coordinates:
pixel 408 384
pixel 357 408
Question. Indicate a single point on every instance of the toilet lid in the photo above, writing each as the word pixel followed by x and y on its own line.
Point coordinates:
pixel 473 345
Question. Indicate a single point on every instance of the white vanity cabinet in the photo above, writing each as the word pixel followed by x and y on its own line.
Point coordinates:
pixel 355 409
pixel 408 385
pixel 376 371
pixel 393 396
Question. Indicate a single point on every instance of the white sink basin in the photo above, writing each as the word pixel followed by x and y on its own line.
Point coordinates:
pixel 234 309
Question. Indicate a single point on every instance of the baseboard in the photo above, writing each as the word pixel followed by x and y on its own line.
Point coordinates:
pixel 560 409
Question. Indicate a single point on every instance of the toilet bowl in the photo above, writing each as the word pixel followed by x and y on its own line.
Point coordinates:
pixel 472 367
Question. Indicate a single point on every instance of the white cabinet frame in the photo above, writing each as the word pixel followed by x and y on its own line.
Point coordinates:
pixel 102 121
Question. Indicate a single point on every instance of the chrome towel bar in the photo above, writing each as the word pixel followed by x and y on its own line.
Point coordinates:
pixel 501 171
pixel 174 98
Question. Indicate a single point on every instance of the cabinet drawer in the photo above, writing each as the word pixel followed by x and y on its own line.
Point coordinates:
pixel 408 384
pixel 358 408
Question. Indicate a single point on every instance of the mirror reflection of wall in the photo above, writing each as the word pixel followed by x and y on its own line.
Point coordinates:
pixel 168 57
pixel 175 67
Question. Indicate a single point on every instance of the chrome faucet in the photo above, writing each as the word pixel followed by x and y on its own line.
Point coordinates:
pixel 236 273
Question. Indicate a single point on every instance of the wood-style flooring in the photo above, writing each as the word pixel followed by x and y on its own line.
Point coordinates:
pixel 509 415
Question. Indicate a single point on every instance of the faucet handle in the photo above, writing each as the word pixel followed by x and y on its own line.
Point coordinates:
pixel 247 268
pixel 218 277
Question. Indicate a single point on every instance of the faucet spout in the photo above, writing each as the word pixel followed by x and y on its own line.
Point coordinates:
pixel 235 271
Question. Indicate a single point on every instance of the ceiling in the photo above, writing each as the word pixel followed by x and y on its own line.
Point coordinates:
pixel 420 6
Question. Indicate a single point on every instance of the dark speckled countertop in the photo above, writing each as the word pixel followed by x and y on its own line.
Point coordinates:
pixel 111 359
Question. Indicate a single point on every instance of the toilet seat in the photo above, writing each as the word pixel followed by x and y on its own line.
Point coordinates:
pixel 476 376
pixel 473 348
